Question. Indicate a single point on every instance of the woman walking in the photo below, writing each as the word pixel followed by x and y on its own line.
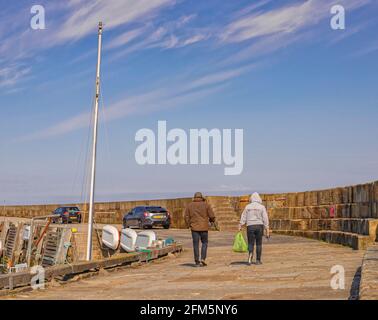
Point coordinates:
pixel 256 218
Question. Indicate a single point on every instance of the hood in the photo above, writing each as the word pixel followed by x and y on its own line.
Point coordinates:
pixel 198 197
pixel 255 197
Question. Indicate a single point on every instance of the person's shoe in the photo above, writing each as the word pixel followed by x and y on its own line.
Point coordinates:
pixel 250 257
pixel 203 263
pixel 258 262
pixel 198 264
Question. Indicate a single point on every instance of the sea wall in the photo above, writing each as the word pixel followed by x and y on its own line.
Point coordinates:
pixel 369 274
pixel 106 212
pixel 345 215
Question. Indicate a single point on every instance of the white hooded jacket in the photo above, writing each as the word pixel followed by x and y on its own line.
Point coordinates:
pixel 255 213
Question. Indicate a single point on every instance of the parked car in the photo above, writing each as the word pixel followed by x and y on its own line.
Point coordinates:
pixel 67 215
pixel 147 217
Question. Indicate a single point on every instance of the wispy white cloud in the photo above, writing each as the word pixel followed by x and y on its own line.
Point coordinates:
pixel 167 35
pixel 220 77
pixel 270 30
pixel 289 19
pixel 248 9
pixel 69 21
pixel 10 75
pixel 74 20
pixel 125 38
pixel 84 15
pixel 168 96
pixel 371 48
pixel 183 20
pixel 349 31
pixel 257 28
pixel 194 39
pixel 281 20
pixel 267 45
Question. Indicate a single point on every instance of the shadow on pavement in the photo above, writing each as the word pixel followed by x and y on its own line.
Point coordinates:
pixel 354 292
pixel 239 263
pixel 193 265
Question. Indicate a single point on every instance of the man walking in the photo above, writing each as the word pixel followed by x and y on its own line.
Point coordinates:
pixel 198 214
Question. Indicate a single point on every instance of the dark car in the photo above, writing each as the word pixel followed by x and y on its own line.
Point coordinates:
pixel 147 217
pixel 67 215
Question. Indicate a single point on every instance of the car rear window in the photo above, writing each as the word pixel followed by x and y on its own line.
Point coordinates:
pixel 155 209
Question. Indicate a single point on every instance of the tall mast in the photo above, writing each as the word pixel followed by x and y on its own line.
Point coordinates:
pixel 94 148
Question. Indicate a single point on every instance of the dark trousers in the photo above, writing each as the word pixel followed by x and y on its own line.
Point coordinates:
pixel 204 237
pixel 255 234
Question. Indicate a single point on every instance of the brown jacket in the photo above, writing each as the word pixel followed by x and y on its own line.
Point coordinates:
pixel 198 214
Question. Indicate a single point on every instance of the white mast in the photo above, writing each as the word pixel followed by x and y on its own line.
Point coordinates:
pixel 94 147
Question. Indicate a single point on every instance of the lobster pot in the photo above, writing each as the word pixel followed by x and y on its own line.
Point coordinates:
pixel 128 239
pixel 145 239
pixel 110 237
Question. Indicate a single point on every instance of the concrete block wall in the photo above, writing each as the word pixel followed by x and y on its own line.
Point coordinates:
pixel 369 274
pixel 303 213
pixel 106 212
pixel 308 214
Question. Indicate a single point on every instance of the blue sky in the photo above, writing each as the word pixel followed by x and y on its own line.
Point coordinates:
pixel 304 94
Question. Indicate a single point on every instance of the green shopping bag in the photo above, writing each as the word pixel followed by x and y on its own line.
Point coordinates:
pixel 239 243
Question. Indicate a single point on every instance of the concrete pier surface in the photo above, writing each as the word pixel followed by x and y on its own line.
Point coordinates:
pixel 293 268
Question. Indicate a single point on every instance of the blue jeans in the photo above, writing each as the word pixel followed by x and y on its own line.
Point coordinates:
pixel 255 234
pixel 204 237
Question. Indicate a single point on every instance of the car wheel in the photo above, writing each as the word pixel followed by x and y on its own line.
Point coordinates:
pixel 166 226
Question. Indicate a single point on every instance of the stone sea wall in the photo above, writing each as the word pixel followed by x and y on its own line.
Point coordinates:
pixel 369 274
pixel 106 212
pixel 344 215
